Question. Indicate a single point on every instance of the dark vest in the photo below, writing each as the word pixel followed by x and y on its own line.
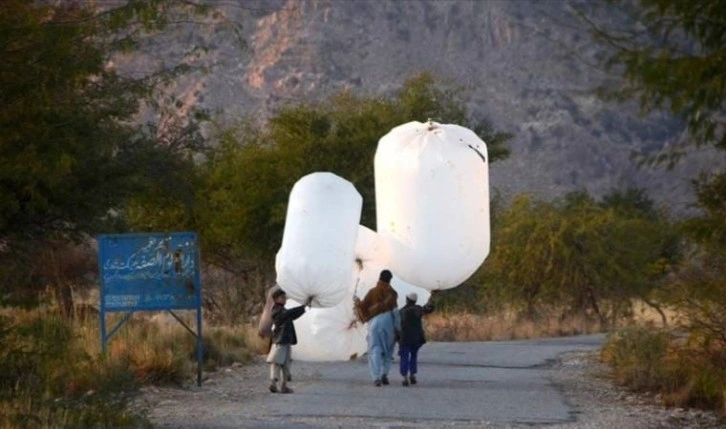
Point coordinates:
pixel 283 331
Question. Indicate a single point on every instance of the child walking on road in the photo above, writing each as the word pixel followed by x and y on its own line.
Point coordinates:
pixel 412 337
pixel 283 338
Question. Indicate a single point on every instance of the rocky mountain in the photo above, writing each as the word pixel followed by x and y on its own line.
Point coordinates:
pixel 527 66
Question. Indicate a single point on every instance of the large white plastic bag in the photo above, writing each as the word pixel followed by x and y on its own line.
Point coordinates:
pixel 335 334
pixel 368 250
pixel 316 257
pixel 432 203
pixel 330 334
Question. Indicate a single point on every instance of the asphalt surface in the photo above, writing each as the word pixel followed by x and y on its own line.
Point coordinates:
pixel 460 385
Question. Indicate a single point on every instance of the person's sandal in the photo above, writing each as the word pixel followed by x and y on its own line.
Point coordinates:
pixel 273 388
pixel 385 381
pixel 413 379
pixel 405 381
pixel 286 389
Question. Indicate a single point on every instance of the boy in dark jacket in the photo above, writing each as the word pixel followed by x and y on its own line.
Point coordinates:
pixel 283 338
pixel 411 336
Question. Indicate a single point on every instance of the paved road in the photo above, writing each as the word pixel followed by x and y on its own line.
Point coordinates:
pixel 461 385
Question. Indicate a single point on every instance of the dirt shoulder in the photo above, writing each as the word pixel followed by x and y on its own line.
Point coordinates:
pixel 598 403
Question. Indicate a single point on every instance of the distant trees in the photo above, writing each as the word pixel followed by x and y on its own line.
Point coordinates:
pixel 577 256
pixel 672 56
pixel 597 258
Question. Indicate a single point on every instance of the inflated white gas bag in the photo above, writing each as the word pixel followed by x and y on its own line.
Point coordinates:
pixel 432 203
pixel 330 334
pixel 335 334
pixel 318 244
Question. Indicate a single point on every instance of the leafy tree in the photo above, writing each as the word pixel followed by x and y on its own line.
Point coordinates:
pixel 69 149
pixel 697 287
pixel 73 150
pixel 576 256
pixel 519 263
pixel 241 203
pixel 709 229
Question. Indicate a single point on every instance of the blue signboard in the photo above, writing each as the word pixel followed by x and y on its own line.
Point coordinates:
pixel 150 272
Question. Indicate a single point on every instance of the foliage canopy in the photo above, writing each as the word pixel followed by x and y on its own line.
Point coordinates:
pixel 71 148
pixel 578 256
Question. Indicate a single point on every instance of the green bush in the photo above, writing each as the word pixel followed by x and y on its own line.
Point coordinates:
pixel 704 366
pixel 638 356
pixel 685 370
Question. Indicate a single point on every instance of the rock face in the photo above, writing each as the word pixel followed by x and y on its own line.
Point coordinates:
pixel 515 57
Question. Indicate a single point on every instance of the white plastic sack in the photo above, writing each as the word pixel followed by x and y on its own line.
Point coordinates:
pixel 335 334
pixel 330 334
pixel 369 249
pixel 316 257
pixel 432 203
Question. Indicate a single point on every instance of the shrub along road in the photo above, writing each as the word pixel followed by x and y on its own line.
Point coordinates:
pixel 467 385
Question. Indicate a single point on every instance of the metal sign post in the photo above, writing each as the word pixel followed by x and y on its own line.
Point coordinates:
pixel 150 272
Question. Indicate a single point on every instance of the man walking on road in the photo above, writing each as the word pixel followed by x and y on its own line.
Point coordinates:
pixel 378 309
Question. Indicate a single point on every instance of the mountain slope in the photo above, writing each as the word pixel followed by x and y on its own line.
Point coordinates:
pixel 515 58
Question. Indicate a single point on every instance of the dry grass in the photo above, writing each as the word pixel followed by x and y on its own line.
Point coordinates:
pixel 508 324
pixel 160 350
pixel 48 379
pixel 686 370
pixel 52 373
pixel 503 326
